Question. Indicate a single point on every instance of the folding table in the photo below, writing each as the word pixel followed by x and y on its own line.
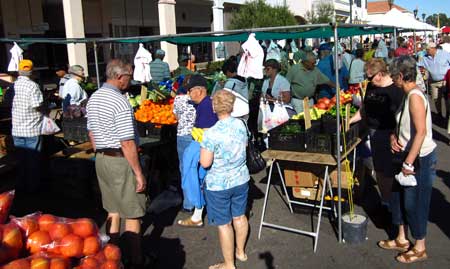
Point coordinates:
pixel 327 160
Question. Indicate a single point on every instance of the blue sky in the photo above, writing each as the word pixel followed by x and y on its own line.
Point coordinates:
pixel 425 6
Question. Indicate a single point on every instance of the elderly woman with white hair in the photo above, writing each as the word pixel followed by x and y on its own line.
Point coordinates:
pixel 413 144
pixel 223 152
pixel 72 93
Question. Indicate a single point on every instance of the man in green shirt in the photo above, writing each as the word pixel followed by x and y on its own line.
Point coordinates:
pixel 304 78
pixel 182 68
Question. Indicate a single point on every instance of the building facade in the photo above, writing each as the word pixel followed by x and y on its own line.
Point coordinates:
pixel 124 18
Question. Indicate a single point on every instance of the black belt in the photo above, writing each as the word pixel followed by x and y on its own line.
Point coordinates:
pixel 112 152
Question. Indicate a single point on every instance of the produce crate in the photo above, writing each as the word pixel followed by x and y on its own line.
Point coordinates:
pixel 148 129
pixel 323 142
pixel 279 139
pixel 75 129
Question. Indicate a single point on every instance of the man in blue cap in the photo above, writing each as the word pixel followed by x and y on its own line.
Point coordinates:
pixel 159 70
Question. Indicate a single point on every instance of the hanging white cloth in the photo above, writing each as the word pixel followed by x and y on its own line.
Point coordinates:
pixel 251 64
pixel 273 52
pixel 16 57
pixel 142 65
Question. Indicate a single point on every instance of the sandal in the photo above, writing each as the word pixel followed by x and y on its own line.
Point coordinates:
pixel 386 244
pixel 218 266
pixel 190 223
pixel 242 258
pixel 415 256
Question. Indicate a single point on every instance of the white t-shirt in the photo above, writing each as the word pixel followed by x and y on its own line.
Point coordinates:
pixel 356 71
pixel 407 130
pixel 77 94
pixel 446 47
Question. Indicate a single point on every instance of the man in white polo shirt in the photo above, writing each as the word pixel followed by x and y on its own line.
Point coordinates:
pixel 122 183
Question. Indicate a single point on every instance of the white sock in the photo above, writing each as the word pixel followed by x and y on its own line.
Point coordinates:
pixel 197 216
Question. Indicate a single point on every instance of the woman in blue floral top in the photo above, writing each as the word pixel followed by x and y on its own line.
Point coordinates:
pixel 223 152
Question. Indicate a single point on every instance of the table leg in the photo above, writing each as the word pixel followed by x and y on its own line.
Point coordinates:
pixel 327 183
pixel 284 188
pixel 266 196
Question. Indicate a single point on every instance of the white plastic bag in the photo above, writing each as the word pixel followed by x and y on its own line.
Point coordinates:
pixel 406 181
pixel 49 126
pixel 264 117
pixel 279 115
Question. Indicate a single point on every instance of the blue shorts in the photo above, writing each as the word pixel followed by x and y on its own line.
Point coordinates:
pixel 223 206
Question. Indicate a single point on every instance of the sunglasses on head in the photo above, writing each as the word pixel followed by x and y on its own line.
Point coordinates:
pixel 371 77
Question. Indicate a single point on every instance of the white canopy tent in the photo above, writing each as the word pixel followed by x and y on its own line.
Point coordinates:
pixel 398 19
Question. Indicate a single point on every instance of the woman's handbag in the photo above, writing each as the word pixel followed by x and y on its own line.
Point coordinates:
pixel 255 162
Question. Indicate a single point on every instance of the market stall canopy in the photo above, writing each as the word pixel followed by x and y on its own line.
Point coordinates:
pixel 398 19
pixel 288 32
pixel 445 29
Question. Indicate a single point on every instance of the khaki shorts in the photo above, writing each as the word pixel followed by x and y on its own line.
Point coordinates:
pixel 436 89
pixel 118 187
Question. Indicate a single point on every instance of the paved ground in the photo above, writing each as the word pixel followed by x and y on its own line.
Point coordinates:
pixel 178 247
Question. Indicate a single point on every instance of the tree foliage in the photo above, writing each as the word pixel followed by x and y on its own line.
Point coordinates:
pixel 323 13
pixel 259 14
pixel 443 19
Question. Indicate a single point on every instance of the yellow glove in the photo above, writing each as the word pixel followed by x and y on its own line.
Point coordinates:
pixel 197 134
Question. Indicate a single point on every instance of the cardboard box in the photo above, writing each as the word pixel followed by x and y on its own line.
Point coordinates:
pixel 307 193
pixel 297 178
pixel 344 178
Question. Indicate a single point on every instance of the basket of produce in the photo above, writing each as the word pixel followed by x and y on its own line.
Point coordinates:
pixel 291 136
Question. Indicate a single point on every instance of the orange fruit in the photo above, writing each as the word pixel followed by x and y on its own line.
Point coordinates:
pixel 59 263
pixel 100 257
pixel 112 252
pixel 40 263
pixel 84 227
pixel 59 230
pixel 37 241
pixel 111 265
pixel 54 247
pixel 71 246
pixel 89 262
pixel 45 221
pixel 28 225
pixel 12 237
pixel 91 245
pixel 22 264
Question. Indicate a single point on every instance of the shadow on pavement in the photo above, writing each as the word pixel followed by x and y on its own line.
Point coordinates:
pixel 169 253
pixel 268 259
pixel 445 176
pixel 439 209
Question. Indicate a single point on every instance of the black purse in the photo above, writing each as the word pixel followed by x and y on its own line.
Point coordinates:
pixel 255 162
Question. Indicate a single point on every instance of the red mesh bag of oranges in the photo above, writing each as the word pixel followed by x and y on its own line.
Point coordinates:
pixel 6 200
pixel 71 238
pixel 11 242
pixel 40 260
pixel 107 258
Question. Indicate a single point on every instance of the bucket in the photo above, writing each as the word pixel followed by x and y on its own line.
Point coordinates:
pixel 354 229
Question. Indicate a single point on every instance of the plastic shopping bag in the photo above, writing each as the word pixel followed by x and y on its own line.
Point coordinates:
pixel 49 126
pixel 264 117
pixel 279 115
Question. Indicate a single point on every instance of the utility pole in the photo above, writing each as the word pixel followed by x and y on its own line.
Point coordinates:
pixel 351 11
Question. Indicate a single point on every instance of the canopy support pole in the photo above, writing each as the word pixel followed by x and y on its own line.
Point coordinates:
pixel 395 38
pixel 414 40
pixel 96 65
pixel 338 121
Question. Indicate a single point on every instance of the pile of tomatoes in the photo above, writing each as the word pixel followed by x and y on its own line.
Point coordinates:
pixel 326 103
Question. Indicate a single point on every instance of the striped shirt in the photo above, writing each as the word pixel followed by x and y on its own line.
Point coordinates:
pixel 159 70
pixel 110 118
pixel 26 119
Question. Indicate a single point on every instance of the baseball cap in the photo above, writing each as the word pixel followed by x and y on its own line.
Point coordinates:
pixel 160 52
pixel 196 81
pixel 325 46
pixel 25 65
